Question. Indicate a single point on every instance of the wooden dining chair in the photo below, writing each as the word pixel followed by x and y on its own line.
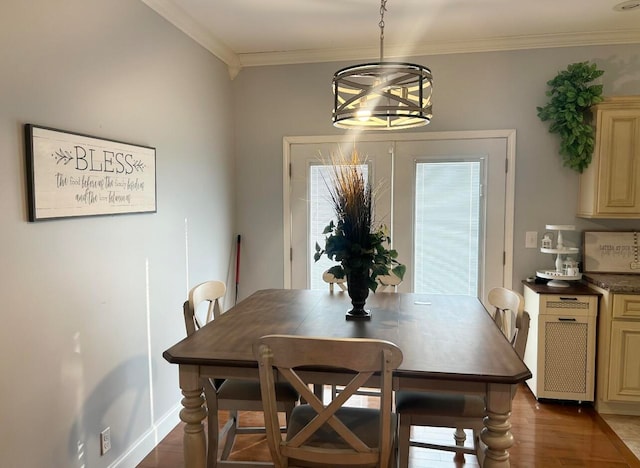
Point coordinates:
pixel 388 282
pixel 455 410
pixel 331 280
pixel 507 304
pixel 230 395
pixel 331 434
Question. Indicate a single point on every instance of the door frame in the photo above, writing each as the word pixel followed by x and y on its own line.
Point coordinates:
pixel 509 210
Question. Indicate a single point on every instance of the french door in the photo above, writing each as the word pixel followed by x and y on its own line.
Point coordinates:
pixel 446 199
pixel 311 209
pixel 449 214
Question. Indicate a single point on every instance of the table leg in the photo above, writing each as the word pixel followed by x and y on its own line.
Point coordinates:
pixel 496 435
pixel 193 413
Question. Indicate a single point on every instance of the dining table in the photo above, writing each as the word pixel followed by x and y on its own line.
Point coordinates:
pixel 449 343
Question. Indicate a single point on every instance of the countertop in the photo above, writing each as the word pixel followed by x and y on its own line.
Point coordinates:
pixel 574 289
pixel 628 284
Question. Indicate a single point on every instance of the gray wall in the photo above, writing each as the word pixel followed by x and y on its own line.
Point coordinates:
pixel 89 304
pixel 80 345
pixel 481 91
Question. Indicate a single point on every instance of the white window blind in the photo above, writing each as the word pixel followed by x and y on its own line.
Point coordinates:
pixel 447 227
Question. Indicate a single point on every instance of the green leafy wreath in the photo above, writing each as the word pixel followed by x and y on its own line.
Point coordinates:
pixel 569 112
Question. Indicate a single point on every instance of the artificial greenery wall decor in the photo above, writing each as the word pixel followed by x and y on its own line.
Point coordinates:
pixel 569 112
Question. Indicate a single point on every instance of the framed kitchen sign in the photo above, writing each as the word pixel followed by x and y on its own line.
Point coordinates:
pixel 611 251
pixel 70 174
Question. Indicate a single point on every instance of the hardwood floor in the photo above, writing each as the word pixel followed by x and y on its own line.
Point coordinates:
pixel 546 435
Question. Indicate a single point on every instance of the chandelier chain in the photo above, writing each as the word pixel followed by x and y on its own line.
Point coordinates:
pixel 383 8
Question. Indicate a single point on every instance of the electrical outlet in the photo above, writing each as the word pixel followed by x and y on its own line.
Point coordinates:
pixel 531 240
pixel 105 441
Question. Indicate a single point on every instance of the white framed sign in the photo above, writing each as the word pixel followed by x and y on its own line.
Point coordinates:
pixel 70 174
pixel 611 251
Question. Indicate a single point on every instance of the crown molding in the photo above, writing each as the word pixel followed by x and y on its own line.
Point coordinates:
pixel 542 41
pixel 180 19
pixel 235 62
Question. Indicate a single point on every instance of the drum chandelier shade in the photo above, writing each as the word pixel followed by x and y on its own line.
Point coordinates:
pixel 382 95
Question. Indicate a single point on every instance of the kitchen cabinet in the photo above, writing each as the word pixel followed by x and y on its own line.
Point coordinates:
pixel 561 346
pixel 610 185
pixel 624 360
pixel 618 365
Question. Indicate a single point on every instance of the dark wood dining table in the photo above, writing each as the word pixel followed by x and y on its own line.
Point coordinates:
pixel 449 343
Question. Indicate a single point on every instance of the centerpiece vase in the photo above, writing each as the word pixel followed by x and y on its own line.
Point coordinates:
pixel 358 289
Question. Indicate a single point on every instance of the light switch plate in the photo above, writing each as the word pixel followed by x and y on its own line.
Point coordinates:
pixel 105 441
pixel 531 240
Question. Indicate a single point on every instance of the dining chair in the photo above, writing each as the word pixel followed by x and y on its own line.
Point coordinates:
pixel 331 279
pixel 390 281
pixel 318 434
pixel 506 304
pixel 230 395
pixel 459 411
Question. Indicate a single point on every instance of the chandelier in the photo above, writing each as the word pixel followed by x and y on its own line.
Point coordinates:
pixel 382 95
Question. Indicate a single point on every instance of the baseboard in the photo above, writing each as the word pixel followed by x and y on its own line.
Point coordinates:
pixel 148 441
pixel 618 407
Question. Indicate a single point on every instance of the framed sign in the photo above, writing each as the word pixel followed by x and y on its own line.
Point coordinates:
pixel 611 251
pixel 69 174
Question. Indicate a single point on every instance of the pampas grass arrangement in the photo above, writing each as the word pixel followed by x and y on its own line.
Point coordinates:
pixel 354 241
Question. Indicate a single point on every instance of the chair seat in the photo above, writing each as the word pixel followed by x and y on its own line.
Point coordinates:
pixel 440 404
pixel 234 389
pixel 363 422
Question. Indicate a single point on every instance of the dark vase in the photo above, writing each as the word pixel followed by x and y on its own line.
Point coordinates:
pixel 358 289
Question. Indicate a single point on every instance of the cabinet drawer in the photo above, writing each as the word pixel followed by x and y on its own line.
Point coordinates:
pixel 626 306
pixel 558 304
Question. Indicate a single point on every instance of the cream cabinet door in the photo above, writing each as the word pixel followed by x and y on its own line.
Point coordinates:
pixel 610 186
pixel 624 365
pixel 618 191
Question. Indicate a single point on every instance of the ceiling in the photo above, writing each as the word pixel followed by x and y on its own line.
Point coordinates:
pixel 266 32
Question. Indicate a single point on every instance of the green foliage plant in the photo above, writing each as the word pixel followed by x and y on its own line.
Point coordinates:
pixel 568 110
pixel 353 241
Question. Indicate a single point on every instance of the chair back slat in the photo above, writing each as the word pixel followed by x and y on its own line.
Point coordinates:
pixel 523 322
pixel 211 292
pixel 324 352
pixel 326 415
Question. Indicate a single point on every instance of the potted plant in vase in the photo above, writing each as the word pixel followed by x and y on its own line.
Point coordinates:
pixel 354 241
